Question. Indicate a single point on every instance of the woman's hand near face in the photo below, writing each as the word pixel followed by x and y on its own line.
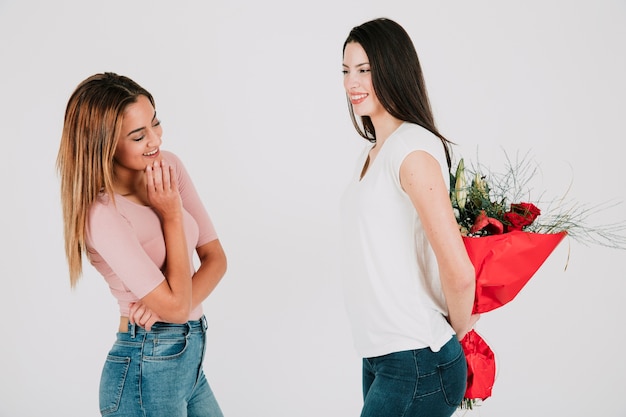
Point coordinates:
pixel 163 195
pixel 172 298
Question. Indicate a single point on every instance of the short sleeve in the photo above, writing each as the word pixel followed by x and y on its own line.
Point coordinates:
pixel 116 251
pixel 416 138
pixel 192 202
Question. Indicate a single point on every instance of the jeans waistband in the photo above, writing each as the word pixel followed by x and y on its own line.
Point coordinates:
pixel 192 326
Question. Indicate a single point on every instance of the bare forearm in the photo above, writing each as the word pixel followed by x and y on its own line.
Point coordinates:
pixel 459 286
pixel 212 269
pixel 460 301
pixel 171 299
pixel 177 268
pixel 204 282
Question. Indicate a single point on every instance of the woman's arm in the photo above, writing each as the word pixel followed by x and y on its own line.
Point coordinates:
pixel 170 300
pixel 211 255
pixel 212 269
pixel 421 179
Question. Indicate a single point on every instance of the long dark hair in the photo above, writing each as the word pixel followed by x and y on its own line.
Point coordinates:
pixel 396 77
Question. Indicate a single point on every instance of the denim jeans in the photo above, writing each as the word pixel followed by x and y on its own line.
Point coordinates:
pixel 415 383
pixel 158 373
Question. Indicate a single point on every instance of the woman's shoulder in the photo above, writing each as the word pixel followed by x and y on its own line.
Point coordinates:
pixel 411 137
pixel 103 212
pixel 103 201
pixel 104 207
pixel 412 133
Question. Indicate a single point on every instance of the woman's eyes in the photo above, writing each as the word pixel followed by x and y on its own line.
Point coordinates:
pixel 360 70
pixel 157 123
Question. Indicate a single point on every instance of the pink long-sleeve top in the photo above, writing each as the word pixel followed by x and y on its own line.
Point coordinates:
pixel 125 241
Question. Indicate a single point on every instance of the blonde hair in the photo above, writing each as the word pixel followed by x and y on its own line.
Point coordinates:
pixel 92 125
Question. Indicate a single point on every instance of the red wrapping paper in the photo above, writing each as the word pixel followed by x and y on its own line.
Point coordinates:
pixel 504 264
pixel 481 366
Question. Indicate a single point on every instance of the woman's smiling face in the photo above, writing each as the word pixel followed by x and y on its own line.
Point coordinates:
pixel 140 137
pixel 357 81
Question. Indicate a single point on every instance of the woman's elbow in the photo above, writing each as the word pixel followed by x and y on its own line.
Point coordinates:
pixel 219 264
pixel 178 316
pixel 467 278
pixel 224 266
pixel 176 312
pixel 462 279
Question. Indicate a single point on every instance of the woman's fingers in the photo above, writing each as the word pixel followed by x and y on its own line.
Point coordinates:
pixel 153 319
pixel 140 314
pixel 158 175
pixel 149 178
pixel 132 308
pixel 155 176
pixel 135 311
pixel 165 175
pixel 162 188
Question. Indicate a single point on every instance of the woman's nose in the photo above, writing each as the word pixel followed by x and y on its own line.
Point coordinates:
pixel 154 138
pixel 351 81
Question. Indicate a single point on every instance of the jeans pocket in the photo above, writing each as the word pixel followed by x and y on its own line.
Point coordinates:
pixel 165 348
pixel 112 383
pixel 453 377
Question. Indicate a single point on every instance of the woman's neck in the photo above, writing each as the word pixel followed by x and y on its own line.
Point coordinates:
pixel 127 182
pixel 384 126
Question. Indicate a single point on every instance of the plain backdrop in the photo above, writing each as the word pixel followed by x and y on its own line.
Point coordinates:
pixel 251 98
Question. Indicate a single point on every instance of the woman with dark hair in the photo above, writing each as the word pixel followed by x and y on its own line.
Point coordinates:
pixel 132 209
pixel 409 284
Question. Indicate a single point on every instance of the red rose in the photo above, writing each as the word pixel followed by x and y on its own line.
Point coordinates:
pixel 520 216
pixel 515 221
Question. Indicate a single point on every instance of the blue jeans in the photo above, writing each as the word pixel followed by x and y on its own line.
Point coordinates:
pixel 158 373
pixel 415 383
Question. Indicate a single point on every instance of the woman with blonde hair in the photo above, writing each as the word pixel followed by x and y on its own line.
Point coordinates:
pixel 409 283
pixel 132 209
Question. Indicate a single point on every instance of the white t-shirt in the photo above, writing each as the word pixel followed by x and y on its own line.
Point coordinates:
pixel 391 279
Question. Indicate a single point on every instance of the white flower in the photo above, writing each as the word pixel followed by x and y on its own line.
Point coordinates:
pixel 460 187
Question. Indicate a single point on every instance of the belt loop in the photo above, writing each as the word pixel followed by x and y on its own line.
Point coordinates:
pixel 133 330
pixel 204 323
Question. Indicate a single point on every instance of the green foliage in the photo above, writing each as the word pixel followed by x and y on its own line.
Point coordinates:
pixel 493 193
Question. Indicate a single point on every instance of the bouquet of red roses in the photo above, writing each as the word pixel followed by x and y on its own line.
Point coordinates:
pixel 505 257
pixel 507 244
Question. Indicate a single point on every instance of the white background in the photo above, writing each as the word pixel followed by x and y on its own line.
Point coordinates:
pixel 251 98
